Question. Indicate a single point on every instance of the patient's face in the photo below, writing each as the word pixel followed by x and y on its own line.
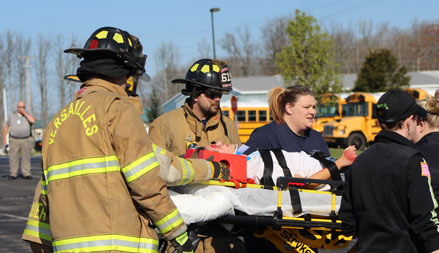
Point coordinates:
pixel 222 148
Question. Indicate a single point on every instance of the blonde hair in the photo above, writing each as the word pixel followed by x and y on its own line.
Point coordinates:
pixel 278 97
pixel 431 105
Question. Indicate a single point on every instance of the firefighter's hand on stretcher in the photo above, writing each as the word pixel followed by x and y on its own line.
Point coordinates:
pixel 182 243
pixel 220 171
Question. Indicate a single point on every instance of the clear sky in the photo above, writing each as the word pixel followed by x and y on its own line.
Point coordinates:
pixel 186 23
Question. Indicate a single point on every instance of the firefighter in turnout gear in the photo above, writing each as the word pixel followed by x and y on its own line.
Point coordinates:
pixel 200 123
pixel 200 120
pixel 102 190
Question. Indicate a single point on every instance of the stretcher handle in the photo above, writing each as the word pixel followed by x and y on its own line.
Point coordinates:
pixel 262 221
pixel 284 182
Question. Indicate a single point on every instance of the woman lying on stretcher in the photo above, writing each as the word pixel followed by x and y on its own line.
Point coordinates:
pixel 300 164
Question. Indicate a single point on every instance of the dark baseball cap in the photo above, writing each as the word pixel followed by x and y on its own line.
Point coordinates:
pixel 396 105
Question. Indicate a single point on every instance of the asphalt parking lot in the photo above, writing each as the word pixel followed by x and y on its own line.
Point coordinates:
pixel 15 202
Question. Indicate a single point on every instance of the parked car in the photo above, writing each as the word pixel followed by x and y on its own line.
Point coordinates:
pixel 38 145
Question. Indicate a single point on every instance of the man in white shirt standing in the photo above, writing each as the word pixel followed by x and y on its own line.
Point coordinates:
pixel 21 141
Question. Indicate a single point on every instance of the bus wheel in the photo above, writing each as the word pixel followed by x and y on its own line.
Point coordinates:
pixel 358 140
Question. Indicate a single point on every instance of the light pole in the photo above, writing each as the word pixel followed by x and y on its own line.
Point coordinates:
pixel 212 10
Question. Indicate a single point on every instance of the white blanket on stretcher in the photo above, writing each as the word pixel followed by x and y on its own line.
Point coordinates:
pixel 199 203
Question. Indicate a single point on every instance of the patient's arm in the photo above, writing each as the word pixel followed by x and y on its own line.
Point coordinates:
pixel 346 159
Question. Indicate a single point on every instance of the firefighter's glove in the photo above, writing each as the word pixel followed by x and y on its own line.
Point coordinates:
pixel 182 243
pixel 220 171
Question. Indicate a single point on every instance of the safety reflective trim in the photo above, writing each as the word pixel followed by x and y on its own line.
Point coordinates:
pixel 38 229
pixel 215 68
pixel 434 218
pixel 158 149
pixel 187 172
pixel 195 67
pixel 82 167
pixel 106 243
pixel 129 42
pixel 205 68
pixel 169 222
pixel 118 38
pixel 43 187
pixel 181 239
pixel 140 167
pixel 102 35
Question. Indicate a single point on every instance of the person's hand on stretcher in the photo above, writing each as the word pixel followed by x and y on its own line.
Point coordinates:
pixel 324 173
pixel 348 157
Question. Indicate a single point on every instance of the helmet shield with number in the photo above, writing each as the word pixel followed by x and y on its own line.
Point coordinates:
pixel 204 74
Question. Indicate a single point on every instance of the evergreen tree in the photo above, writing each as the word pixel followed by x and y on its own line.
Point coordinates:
pixel 381 72
pixel 309 57
pixel 154 110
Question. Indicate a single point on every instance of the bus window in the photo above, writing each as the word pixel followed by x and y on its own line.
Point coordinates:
pixel 240 115
pixel 271 118
pixel 262 116
pixel 355 109
pixel 327 110
pixel 252 116
pixel 226 113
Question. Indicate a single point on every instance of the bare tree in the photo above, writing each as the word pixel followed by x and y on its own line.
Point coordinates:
pixel 344 41
pixel 61 62
pixel 399 42
pixel 204 49
pixel 274 38
pixel 167 58
pixel 41 67
pixel 71 64
pixel 424 45
pixel 242 51
pixel 10 61
pixel 23 47
pixel 2 82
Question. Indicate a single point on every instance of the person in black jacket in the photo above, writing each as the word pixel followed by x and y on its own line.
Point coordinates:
pixel 388 202
pixel 427 140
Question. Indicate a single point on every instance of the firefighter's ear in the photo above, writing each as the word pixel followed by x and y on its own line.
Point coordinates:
pixel 195 99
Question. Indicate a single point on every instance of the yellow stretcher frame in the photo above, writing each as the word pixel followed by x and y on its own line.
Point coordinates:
pixel 294 234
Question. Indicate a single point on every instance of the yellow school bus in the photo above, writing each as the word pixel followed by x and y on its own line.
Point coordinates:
pixel 358 125
pixel 328 109
pixel 416 93
pixel 247 119
pixel 250 118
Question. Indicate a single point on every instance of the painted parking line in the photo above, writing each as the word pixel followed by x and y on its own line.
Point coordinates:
pixel 14 217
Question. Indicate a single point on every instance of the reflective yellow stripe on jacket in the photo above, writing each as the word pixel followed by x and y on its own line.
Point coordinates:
pixel 187 172
pixel 139 167
pixel 82 167
pixel 38 229
pixel 106 243
pixel 169 222
pixel 43 187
